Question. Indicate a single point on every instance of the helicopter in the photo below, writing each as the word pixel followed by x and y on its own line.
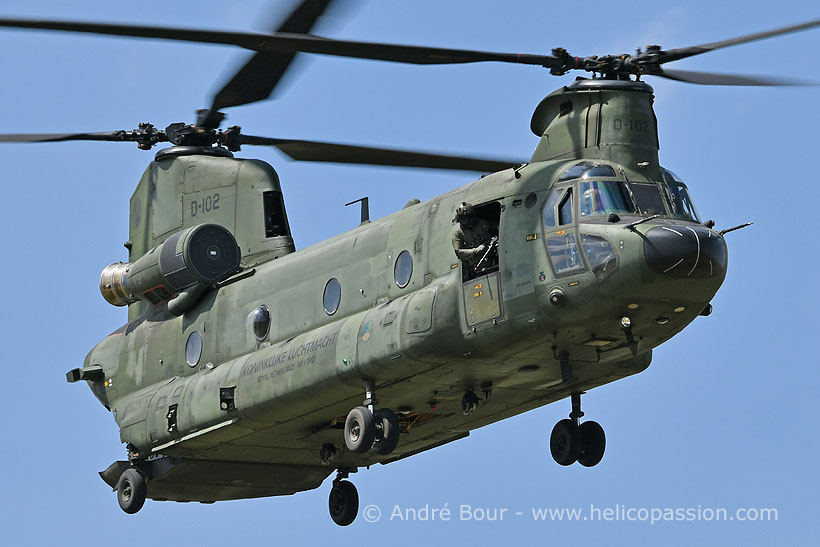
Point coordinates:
pixel 621 338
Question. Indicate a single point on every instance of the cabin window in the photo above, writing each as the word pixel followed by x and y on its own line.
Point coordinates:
pixel 333 296
pixel 193 349
pixel 403 269
pixel 260 322
pixel 275 221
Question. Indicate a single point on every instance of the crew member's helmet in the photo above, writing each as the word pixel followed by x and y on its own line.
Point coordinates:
pixel 464 211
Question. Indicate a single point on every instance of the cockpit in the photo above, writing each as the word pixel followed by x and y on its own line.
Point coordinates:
pixel 601 193
pixel 588 194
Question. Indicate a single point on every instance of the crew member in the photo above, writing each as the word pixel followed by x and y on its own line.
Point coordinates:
pixel 472 237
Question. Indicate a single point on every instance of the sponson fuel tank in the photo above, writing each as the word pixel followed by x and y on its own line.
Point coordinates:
pixel 197 256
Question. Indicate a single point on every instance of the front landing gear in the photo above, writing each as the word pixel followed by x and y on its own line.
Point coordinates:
pixel 565 442
pixel 344 500
pixel 571 441
pixel 593 444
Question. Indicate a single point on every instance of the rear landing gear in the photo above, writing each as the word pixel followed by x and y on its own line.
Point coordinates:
pixel 387 431
pixel 131 491
pixel 572 441
pixel 366 428
pixel 344 500
pixel 360 430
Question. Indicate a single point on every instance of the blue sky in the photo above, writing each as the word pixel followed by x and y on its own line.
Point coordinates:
pixel 726 415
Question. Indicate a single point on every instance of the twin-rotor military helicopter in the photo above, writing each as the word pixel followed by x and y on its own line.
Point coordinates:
pixel 242 368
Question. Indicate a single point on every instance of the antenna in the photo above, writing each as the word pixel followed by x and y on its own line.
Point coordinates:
pixel 365 208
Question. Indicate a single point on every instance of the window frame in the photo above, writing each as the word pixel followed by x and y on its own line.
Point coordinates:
pixel 194 335
pixel 669 179
pixel 565 190
pixel 396 266
pixel 252 317
pixel 338 302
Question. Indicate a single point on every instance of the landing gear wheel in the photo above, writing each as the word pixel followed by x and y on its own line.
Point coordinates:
pixel 343 503
pixel 360 430
pixel 131 491
pixel 565 442
pixel 387 426
pixel 593 444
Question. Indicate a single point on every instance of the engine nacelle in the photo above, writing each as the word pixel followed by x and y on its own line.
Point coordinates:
pixel 195 257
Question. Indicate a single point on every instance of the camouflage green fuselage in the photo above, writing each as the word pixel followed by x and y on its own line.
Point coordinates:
pixel 251 417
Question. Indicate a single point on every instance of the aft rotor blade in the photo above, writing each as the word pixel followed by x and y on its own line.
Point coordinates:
pixel 256 80
pixel 302 150
pixel 117 136
pixel 708 78
pixel 289 42
pixel 684 52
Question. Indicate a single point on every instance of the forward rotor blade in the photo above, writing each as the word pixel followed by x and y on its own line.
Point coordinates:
pixel 684 52
pixel 288 42
pixel 256 80
pixel 302 150
pixel 399 53
pixel 707 78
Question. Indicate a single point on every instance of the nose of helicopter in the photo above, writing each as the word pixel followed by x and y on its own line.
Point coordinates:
pixel 685 251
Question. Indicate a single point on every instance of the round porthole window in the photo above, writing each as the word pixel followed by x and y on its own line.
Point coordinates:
pixel 193 349
pixel 333 296
pixel 403 269
pixel 260 322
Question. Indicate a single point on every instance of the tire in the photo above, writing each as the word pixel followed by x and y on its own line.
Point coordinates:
pixel 593 444
pixel 343 503
pixel 360 430
pixel 387 425
pixel 565 442
pixel 131 491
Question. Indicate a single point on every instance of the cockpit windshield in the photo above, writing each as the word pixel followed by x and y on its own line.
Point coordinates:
pixel 667 197
pixel 600 197
pixel 649 198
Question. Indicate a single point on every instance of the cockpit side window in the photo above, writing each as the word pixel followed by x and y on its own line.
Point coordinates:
pixel 562 245
pixel 549 208
pixel 565 209
pixel 679 199
pixel 564 255
pixel 682 206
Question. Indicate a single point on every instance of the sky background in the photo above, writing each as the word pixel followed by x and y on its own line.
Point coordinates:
pixel 726 416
